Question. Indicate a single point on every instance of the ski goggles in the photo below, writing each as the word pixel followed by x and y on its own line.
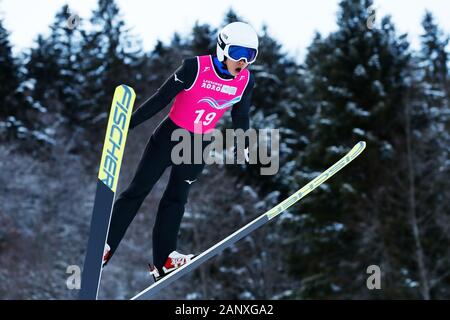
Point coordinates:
pixel 237 53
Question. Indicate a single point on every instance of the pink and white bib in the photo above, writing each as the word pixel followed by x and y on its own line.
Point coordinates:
pixel 199 108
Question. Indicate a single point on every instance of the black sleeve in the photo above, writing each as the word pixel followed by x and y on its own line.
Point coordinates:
pixel 181 79
pixel 240 111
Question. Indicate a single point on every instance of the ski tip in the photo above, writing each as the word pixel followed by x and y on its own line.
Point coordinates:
pixel 359 147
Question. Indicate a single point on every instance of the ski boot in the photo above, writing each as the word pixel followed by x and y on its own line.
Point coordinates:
pixel 106 255
pixel 174 261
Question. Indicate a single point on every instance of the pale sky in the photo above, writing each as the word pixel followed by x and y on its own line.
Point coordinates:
pixel 291 22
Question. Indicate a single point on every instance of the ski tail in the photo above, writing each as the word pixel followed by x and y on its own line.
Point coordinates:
pixel 253 225
pixel 108 176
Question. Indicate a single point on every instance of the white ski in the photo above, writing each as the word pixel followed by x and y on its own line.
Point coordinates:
pixel 251 226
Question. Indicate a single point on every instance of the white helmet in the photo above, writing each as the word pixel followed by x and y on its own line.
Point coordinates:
pixel 238 36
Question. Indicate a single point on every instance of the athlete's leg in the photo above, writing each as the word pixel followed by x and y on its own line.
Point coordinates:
pixel 171 210
pixel 155 159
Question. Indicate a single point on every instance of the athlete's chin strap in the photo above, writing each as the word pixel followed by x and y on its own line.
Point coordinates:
pixel 221 66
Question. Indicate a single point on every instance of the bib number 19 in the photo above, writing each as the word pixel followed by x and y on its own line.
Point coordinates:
pixel 208 118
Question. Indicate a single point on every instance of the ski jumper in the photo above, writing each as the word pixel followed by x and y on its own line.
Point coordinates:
pixel 202 96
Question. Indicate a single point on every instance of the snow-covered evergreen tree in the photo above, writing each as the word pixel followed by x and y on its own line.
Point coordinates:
pixel 356 85
pixel 15 121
